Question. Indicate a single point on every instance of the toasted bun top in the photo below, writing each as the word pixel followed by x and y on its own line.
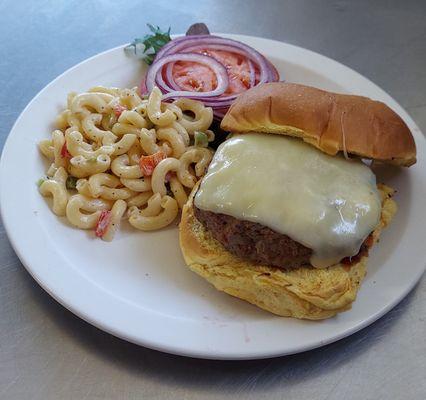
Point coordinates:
pixel 329 121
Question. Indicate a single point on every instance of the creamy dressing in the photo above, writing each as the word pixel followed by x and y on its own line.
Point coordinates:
pixel 326 203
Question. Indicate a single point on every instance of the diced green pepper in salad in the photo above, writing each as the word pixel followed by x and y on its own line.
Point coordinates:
pixel 200 139
pixel 40 182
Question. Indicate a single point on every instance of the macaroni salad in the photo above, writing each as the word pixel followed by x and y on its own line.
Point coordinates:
pixel 116 155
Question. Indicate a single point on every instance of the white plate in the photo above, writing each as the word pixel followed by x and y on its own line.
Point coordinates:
pixel 138 288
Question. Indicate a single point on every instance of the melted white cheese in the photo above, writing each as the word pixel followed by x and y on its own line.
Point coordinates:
pixel 328 204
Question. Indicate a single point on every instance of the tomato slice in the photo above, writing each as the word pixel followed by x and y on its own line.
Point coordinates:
pixel 199 78
pixel 147 164
pixel 103 223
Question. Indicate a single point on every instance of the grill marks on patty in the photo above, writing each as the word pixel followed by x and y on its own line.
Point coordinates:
pixel 260 244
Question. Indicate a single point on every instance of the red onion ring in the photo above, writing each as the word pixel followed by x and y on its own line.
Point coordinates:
pixel 252 73
pixel 182 49
pixel 226 99
pixel 220 112
pixel 169 77
pixel 173 43
pixel 224 45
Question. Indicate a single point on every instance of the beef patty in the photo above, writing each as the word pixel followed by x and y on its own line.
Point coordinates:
pixel 260 244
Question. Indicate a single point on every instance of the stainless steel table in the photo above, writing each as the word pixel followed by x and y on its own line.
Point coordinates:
pixel 48 353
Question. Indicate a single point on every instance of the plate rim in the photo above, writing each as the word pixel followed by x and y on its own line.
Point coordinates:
pixel 173 349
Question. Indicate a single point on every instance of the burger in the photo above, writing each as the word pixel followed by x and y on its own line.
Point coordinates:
pixel 289 208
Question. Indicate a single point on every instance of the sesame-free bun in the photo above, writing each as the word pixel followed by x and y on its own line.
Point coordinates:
pixel 303 292
pixel 329 121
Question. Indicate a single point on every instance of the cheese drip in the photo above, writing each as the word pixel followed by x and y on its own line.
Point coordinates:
pixel 326 203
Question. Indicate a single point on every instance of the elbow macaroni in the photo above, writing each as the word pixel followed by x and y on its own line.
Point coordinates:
pixel 96 154
pixel 122 168
pixel 155 114
pixel 81 167
pixel 169 212
pixel 201 157
pixel 176 141
pixel 159 175
pixel 55 187
pixel 106 186
pixel 124 144
pixel 117 212
pixel 203 116
pixel 92 208
pixel 90 129
pixel 77 147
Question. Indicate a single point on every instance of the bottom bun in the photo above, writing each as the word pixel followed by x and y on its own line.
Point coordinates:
pixel 304 292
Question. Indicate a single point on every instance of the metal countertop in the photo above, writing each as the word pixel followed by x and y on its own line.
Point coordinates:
pixel 48 353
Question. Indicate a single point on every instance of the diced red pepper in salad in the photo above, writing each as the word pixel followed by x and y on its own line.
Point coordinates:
pixel 118 109
pixel 103 223
pixel 64 151
pixel 147 164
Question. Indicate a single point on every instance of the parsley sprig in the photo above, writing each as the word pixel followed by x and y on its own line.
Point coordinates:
pixel 147 47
